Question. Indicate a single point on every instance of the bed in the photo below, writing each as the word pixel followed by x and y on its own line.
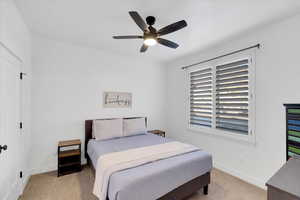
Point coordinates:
pixel 174 178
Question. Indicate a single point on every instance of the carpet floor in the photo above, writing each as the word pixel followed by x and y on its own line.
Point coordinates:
pixel 79 186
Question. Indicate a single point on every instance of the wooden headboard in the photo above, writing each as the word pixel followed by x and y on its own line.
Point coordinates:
pixel 88 130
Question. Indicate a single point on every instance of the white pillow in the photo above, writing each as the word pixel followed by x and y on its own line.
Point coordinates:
pixel 134 126
pixel 107 129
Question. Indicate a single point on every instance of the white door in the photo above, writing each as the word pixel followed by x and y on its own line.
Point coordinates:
pixel 10 159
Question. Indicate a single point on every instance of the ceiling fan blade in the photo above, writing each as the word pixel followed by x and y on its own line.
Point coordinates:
pixel 167 43
pixel 138 20
pixel 128 37
pixel 143 48
pixel 172 27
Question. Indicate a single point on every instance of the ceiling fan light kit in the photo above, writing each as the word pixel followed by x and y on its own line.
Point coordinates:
pixel 151 36
pixel 150 41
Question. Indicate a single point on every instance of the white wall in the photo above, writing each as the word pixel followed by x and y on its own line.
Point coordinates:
pixel 15 37
pixel 68 85
pixel 277 82
pixel 14 32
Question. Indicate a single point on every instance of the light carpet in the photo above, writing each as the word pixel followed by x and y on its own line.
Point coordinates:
pixel 78 186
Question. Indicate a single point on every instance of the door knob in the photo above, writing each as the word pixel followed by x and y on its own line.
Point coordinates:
pixel 4 148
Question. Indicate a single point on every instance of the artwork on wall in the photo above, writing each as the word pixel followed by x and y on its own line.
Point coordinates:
pixel 117 100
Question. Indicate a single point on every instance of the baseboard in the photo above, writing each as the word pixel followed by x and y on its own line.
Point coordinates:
pixel 14 192
pixel 35 171
pixel 244 177
pixel 25 182
pixel 49 168
pixel 18 187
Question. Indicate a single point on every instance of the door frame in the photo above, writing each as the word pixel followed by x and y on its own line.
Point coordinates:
pixel 8 55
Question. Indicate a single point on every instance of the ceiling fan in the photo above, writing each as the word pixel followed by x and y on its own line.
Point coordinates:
pixel 151 36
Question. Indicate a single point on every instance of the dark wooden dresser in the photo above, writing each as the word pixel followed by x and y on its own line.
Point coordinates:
pixel 285 184
pixel 69 161
pixel 158 132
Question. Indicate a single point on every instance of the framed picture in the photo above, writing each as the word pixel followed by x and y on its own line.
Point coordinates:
pixel 117 100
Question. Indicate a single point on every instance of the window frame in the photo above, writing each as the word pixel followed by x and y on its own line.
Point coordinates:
pixel 251 136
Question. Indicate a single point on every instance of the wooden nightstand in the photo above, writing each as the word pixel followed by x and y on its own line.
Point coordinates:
pixel 158 132
pixel 69 161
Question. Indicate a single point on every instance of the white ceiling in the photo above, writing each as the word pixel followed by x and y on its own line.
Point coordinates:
pixel 93 22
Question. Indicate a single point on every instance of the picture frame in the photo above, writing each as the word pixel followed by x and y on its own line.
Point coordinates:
pixel 117 100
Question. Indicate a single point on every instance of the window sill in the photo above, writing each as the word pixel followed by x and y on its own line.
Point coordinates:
pixel 250 139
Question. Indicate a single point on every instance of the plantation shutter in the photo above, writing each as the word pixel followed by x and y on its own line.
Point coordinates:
pixel 201 87
pixel 232 96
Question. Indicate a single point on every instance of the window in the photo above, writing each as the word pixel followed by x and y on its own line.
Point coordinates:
pixel 201 97
pixel 221 97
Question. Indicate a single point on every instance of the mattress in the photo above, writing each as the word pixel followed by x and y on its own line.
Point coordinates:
pixel 152 180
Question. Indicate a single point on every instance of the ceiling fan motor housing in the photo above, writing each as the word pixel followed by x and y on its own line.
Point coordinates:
pixel 150 35
pixel 150 20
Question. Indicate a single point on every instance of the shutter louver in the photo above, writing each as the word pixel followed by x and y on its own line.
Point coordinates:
pixel 201 97
pixel 232 96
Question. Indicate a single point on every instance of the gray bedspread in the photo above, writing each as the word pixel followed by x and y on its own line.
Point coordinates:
pixel 153 180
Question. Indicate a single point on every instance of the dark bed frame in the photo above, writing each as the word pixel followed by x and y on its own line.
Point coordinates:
pixel 179 193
